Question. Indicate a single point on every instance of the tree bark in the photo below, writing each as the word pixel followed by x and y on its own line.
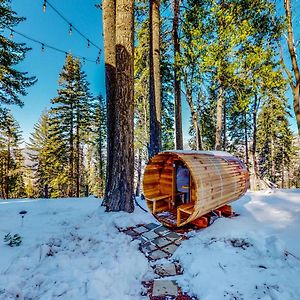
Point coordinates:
pixel 101 173
pixel 139 174
pixel 71 158
pixel 219 118
pixel 177 90
pixel 246 141
pixel 120 194
pixel 254 137
pixel 224 126
pixel 7 171
pixel 78 154
pixel 194 113
pixel 154 79
pixel 109 31
pixel 290 41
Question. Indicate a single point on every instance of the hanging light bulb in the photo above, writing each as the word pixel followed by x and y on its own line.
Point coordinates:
pixel 88 44
pixel 11 36
pixel 83 60
pixel 43 48
pixel 70 29
pixel 98 60
pixel 44 5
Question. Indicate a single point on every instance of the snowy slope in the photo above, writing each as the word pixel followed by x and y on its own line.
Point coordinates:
pixel 72 250
pixel 253 256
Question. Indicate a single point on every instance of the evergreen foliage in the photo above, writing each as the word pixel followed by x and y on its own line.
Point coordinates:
pixel 70 117
pixel 11 158
pixel 13 83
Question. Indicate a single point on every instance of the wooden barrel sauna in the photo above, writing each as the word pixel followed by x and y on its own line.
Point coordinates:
pixel 212 179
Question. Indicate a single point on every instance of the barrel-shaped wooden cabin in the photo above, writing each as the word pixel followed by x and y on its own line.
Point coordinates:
pixel 181 186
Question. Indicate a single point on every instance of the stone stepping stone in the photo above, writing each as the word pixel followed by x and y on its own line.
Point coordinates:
pixel 170 248
pixel 132 233
pixel 158 254
pixel 168 269
pixel 173 236
pixel 164 288
pixel 140 229
pixel 150 235
pixel 162 230
pixel 161 241
pixel 147 247
pixel 151 226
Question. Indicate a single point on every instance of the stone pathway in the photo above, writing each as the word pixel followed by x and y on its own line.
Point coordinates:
pixel 157 242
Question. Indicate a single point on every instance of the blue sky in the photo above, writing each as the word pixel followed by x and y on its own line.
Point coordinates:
pixel 49 28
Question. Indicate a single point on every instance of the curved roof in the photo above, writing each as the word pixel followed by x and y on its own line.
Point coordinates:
pixel 218 177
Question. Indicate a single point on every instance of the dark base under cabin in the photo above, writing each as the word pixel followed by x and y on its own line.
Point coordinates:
pixel 169 218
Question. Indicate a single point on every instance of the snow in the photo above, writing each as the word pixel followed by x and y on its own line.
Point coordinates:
pixel 211 152
pixel 72 249
pixel 253 256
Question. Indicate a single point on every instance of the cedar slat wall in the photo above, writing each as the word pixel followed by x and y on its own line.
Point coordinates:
pixel 217 179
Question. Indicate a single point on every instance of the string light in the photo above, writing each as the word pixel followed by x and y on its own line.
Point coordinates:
pixel 70 29
pixel 44 5
pixel 88 44
pixel 11 36
pixel 44 46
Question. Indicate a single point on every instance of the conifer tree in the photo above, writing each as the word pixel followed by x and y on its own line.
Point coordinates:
pixel 11 158
pixel 154 77
pixel 71 115
pixel 118 20
pixel 96 158
pixel 274 140
pixel 292 43
pixel 39 155
pixel 13 83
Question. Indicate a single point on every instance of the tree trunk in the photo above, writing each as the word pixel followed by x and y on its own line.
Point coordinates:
pixel 297 104
pixel 109 31
pixel 46 191
pixel 120 191
pixel 101 175
pixel 71 157
pixel 7 171
pixel 272 159
pixel 290 41
pixel 219 118
pixel 282 169
pixel 194 113
pixel 139 174
pixel 224 126
pixel 154 79
pixel 77 155
pixel 254 120
pixel 246 141
pixel 177 90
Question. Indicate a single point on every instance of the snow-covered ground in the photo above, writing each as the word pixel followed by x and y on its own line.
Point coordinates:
pixel 72 249
pixel 253 256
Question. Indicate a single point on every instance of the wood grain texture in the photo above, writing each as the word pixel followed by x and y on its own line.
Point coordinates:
pixel 217 178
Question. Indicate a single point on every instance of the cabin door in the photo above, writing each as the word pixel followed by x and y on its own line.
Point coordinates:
pixel 182 180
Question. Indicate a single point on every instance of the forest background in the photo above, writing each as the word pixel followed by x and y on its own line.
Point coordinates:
pixel 220 54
